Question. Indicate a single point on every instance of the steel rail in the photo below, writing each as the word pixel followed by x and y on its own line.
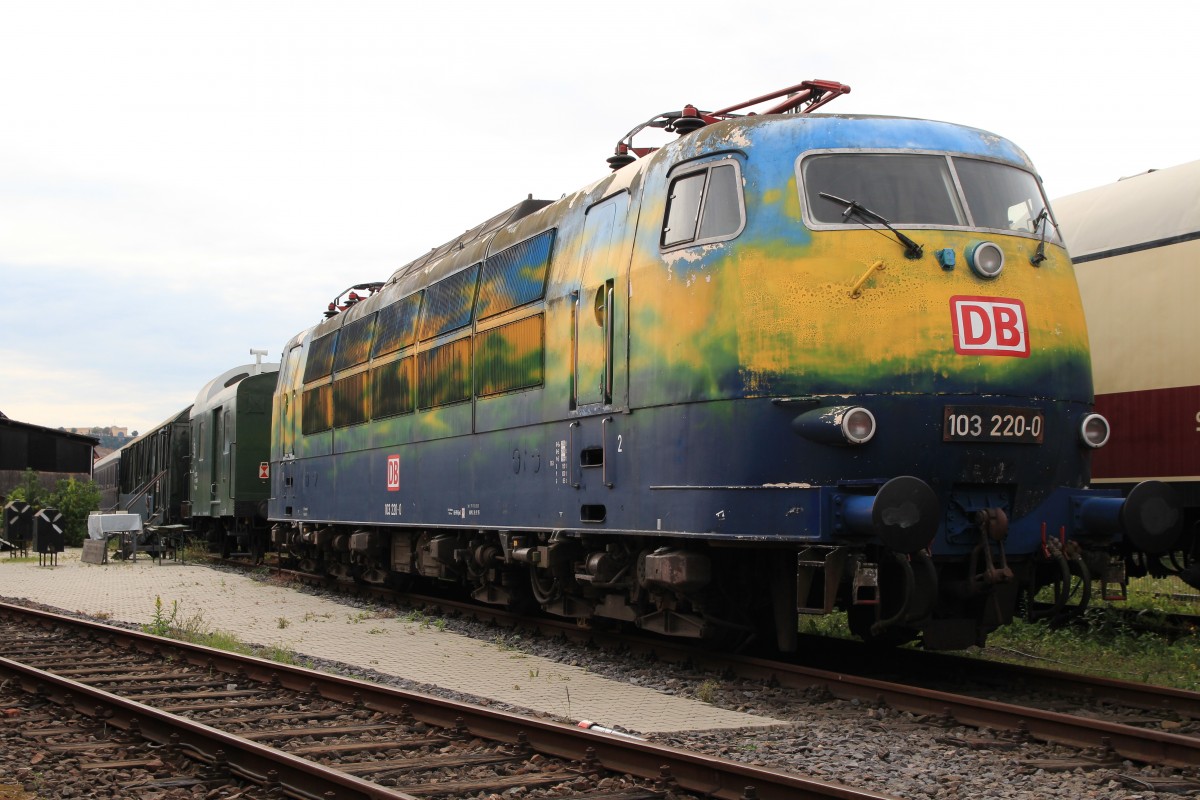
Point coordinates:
pixel 693 772
pixel 300 778
pixel 1139 744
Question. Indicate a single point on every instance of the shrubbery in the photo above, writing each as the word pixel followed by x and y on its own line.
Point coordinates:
pixel 74 500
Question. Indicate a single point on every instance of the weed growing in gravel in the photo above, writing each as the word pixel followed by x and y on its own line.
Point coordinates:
pixel 222 640
pixel 195 551
pixel 706 692
pixel 36 781
pixel 282 654
pixel 283 622
pixel 162 622
pixel 501 643
pixel 194 629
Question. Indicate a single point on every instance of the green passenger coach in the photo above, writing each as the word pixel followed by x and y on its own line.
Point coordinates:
pixel 230 477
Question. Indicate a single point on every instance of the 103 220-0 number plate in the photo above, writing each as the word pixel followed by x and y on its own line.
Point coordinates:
pixel 993 424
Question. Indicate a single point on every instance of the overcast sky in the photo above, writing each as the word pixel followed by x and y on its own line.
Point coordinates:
pixel 181 182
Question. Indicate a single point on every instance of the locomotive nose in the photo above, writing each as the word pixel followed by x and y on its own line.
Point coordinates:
pixel 904 514
pixel 1150 517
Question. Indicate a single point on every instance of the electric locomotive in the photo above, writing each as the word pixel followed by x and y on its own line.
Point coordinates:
pixel 782 364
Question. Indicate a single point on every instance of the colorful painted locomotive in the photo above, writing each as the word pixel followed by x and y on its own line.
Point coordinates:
pixel 782 364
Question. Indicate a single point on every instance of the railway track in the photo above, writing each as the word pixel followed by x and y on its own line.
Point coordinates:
pixel 45 747
pixel 313 735
pixel 1109 719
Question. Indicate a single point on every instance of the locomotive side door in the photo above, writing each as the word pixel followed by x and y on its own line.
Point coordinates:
pixel 285 414
pixel 283 444
pixel 601 330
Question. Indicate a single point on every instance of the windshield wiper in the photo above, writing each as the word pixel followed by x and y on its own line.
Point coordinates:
pixel 911 248
pixel 1039 223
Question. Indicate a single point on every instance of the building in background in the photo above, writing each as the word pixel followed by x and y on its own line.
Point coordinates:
pixel 53 454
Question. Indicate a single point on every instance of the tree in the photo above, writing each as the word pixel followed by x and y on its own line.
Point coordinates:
pixel 75 500
pixel 29 490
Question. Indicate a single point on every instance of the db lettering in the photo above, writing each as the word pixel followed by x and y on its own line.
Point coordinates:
pixel 393 473
pixel 989 326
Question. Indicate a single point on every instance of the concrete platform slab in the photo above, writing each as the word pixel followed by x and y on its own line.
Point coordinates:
pixel 265 614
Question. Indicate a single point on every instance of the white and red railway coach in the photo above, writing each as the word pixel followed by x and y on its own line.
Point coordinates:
pixel 1136 248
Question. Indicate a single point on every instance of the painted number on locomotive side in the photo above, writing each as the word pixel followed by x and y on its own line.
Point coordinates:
pixel 993 424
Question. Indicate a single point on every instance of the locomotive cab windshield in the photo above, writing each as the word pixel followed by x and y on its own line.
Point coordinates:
pixel 924 190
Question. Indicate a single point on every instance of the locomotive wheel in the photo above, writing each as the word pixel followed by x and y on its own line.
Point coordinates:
pixel 545 588
pixel 892 586
pixel 861 620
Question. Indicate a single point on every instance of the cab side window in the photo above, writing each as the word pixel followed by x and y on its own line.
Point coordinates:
pixel 704 204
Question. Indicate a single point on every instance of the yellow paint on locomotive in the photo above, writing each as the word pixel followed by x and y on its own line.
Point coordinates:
pixel 772 310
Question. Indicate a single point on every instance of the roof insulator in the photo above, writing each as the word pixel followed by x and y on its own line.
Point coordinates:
pixel 688 122
pixel 621 157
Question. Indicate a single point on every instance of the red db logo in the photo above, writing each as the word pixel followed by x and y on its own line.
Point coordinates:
pixel 991 326
pixel 393 474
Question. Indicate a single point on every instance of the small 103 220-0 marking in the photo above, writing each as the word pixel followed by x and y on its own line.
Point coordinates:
pixel 989 326
pixel 1014 425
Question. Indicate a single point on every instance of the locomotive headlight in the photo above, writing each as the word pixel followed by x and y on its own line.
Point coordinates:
pixel 858 425
pixel 837 425
pixel 1094 430
pixel 986 258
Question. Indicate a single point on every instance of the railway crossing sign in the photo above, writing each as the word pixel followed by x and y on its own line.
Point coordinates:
pixel 48 537
pixel 18 519
pixel 50 520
